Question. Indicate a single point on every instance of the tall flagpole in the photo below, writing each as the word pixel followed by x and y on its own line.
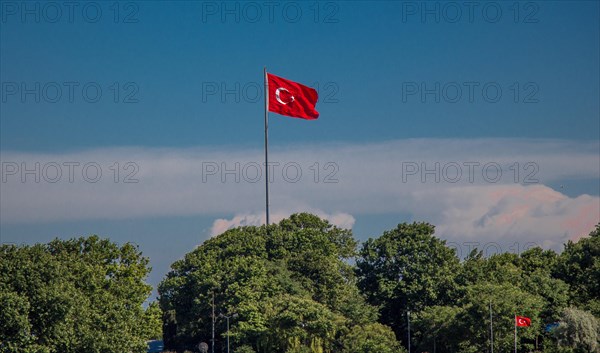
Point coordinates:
pixel 266 93
pixel 491 329
pixel 515 323
pixel 212 346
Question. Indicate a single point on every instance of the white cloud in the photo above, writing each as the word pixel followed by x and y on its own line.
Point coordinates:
pixel 533 214
pixel 462 193
pixel 340 219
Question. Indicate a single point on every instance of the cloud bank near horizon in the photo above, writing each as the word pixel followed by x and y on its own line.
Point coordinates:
pixel 340 219
pixel 470 189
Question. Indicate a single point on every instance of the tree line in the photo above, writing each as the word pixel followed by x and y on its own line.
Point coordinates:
pixel 301 286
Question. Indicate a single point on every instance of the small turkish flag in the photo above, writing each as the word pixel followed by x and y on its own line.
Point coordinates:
pixel 292 98
pixel 522 321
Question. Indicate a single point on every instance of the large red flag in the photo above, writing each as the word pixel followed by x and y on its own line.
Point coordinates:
pixel 522 321
pixel 292 98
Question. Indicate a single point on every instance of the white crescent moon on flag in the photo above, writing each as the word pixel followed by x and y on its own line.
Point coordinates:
pixel 279 98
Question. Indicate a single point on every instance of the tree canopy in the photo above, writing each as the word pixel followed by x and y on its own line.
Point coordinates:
pixel 305 286
pixel 407 269
pixel 80 295
pixel 293 291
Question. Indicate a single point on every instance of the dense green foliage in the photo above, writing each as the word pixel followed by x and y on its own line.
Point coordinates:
pixel 408 269
pixel 296 290
pixel 81 295
pixel 578 331
pixel 292 289
pixel 579 267
pixel 153 319
pixel 370 338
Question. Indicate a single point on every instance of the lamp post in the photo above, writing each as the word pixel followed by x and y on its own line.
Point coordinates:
pixel 227 318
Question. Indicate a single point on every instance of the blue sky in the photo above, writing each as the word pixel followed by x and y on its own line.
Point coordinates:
pixel 503 84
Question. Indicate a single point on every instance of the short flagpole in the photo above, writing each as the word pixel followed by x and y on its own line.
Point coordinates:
pixel 408 321
pixel 266 93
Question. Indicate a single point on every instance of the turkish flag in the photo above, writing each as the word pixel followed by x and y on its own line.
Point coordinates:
pixel 291 98
pixel 522 321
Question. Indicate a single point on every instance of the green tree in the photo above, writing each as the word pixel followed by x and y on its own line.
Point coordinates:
pixel 537 266
pixel 578 330
pixel 513 284
pixel 465 328
pixel 407 269
pixel 244 349
pixel 439 328
pixel 15 329
pixel 371 338
pixel 79 295
pixel 293 289
pixel 507 301
pixel 579 267
pixel 472 269
pixel 153 317
pixel 297 323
